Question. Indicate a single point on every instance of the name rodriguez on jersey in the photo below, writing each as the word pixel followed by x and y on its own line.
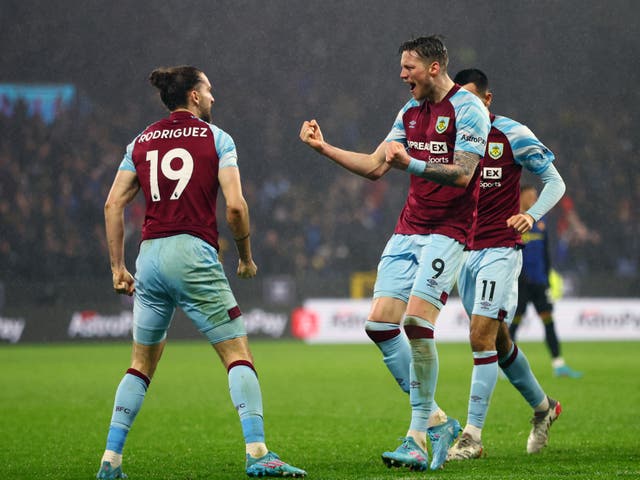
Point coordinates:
pixel 174 133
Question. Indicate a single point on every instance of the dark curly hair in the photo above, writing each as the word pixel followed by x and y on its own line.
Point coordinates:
pixel 175 83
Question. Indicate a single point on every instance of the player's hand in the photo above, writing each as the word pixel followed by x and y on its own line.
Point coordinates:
pixel 247 269
pixel 522 222
pixel 123 282
pixel 311 134
pixel 396 155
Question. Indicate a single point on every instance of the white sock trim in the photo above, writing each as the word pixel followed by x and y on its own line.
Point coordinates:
pixel 473 431
pixel 419 437
pixel 543 406
pixel 256 449
pixel 437 417
pixel 115 459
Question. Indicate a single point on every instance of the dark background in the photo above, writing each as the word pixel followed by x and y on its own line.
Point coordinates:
pixel 567 69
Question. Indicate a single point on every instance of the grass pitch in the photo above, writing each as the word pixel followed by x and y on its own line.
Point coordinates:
pixel 330 409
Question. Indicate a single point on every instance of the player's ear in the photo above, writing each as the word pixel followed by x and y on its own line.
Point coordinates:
pixel 488 97
pixel 194 96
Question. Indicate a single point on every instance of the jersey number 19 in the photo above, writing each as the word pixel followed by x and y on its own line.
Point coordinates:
pixel 182 174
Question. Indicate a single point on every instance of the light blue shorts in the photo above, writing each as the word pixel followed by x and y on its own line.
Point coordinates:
pixel 182 271
pixel 488 282
pixel 421 265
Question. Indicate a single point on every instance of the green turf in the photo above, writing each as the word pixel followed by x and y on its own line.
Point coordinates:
pixel 329 409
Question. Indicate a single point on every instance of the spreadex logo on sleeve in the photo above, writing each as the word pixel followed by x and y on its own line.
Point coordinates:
pixel 90 324
pixel 11 329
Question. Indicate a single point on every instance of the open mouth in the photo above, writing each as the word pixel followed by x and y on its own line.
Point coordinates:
pixel 412 86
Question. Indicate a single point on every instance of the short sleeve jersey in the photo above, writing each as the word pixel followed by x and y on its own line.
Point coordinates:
pixel 177 160
pixel 511 146
pixel 431 132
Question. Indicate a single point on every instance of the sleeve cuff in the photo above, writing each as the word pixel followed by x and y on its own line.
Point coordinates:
pixel 416 167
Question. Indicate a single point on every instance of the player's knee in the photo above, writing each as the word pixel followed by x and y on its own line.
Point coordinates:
pixel 546 317
pixel 503 345
pixel 482 345
pixel 481 341
pixel 381 331
pixel 483 333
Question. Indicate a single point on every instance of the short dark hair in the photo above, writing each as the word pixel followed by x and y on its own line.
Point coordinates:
pixel 430 48
pixel 174 83
pixel 475 76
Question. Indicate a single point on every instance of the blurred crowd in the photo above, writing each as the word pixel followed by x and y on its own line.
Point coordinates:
pixel 55 178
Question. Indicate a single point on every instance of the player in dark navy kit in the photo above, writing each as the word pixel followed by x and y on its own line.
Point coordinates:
pixel 180 163
pixel 439 137
pixel 533 285
pixel 488 279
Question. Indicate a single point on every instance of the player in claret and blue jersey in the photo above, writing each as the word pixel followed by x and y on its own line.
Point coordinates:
pixel 180 163
pixel 439 137
pixel 488 281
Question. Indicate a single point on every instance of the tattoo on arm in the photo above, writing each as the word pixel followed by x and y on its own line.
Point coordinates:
pixel 467 161
pixel 464 164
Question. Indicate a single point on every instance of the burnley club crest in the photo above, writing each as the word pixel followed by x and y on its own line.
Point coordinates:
pixel 441 124
pixel 495 150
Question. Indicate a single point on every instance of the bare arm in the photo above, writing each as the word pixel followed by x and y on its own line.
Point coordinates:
pixel 457 174
pixel 238 219
pixel 371 166
pixel 123 190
